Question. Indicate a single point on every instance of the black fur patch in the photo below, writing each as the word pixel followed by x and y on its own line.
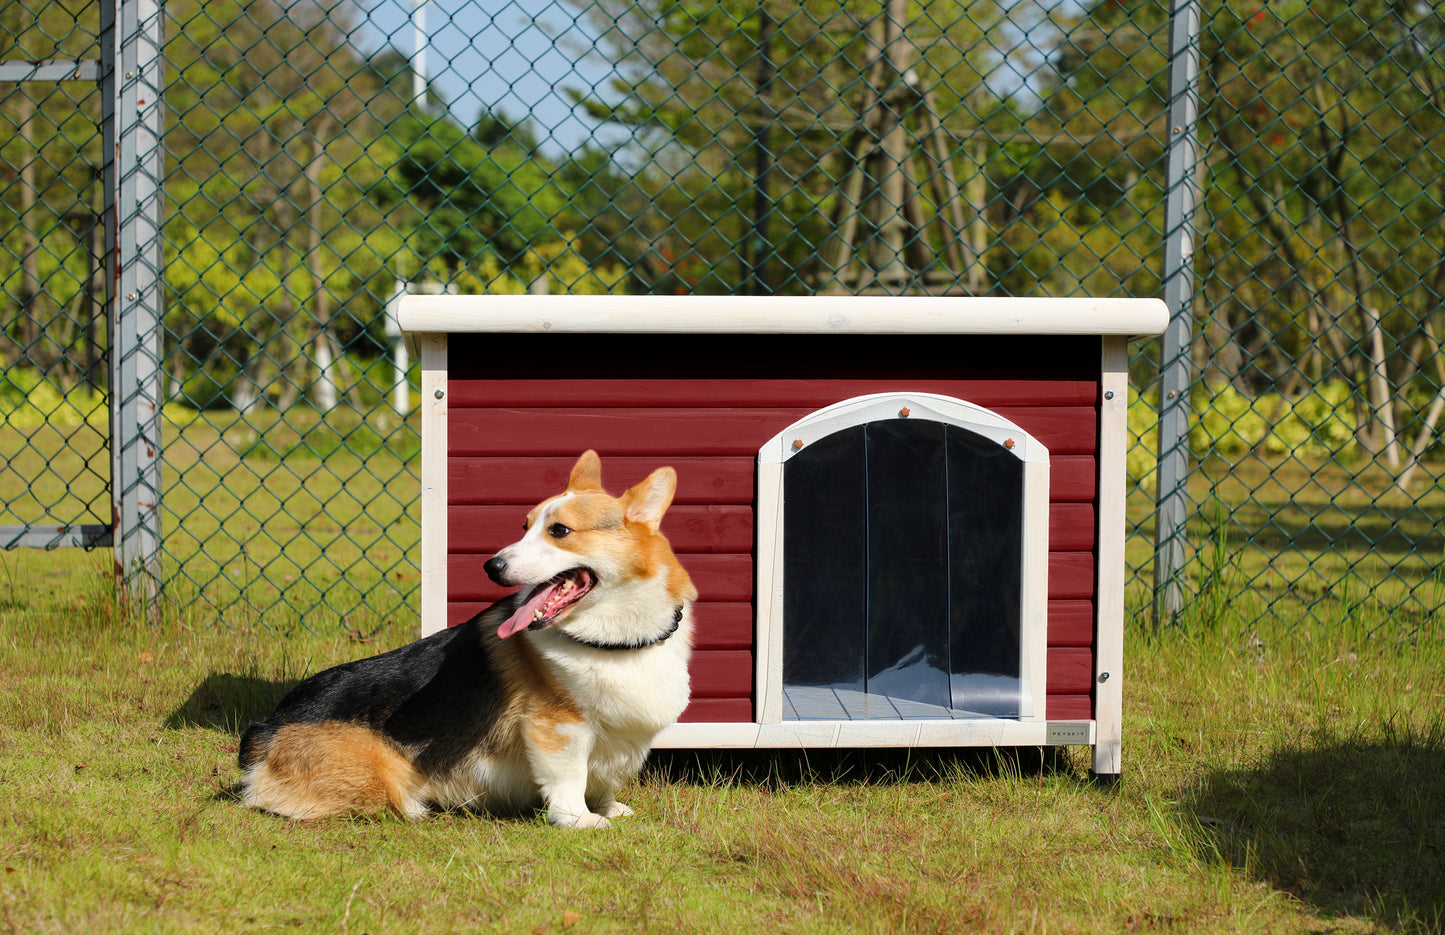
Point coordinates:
pixel 439 696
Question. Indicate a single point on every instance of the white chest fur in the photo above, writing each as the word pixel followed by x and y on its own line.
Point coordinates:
pixel 628 691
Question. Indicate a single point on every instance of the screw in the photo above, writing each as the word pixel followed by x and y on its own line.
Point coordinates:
pixel 1008 443
pixel 903 413
pixel 1108 394
pixel 1103 677
pixel 438 394
pixel 797 443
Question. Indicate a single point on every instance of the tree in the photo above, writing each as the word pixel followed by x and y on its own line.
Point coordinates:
pixel 49 196
pixel 279 155
pixel 706 87
pixel 1324 187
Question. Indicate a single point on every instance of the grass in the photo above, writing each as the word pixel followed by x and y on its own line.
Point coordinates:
pixel 1287 780
pixel 302 522
pixel 1284 755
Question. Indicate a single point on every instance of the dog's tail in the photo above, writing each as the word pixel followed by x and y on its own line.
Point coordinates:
pixel 306 770
pixel 254 741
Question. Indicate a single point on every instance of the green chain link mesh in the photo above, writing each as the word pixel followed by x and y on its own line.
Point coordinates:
pixel 681 146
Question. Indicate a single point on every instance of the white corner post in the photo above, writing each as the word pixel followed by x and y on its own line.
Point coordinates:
pixel 400 357
pixel 1109 588
pixel 1176 371
pixel 433 351
pixel 132 81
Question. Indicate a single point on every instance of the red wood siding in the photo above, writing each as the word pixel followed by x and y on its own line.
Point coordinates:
pixel 522 407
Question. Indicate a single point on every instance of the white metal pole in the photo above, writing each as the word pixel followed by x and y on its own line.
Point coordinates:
pixel 1175 367
pixel 401 388
pixel 133 76
pixel 400 359
pixel 418 56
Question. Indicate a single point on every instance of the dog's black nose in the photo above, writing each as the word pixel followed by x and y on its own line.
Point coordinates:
pixel 496 569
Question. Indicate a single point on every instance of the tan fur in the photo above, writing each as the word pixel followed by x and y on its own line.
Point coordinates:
pixel 575 718
pixel 539 704
pixel 329 769
pixel 594 516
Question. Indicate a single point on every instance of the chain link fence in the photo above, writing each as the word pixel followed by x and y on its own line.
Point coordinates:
pixel 56 473
pixel 321 159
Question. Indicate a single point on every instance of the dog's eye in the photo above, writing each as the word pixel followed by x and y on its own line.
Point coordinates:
pixel 557 530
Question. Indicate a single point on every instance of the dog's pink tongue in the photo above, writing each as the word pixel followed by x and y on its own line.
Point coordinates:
pixel 523 616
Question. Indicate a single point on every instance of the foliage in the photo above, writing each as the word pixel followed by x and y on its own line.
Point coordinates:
pixel 558 263
pixel 1319 424
pixel 28 400
pixel 476 200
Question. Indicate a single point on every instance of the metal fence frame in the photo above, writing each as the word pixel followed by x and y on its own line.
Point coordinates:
pixel 131 76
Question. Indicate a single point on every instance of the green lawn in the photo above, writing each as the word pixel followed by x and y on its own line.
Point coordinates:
pixel 1290 781
pixel 1284 771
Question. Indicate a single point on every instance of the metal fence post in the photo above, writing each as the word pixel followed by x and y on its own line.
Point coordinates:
pixel 1174 358
pixel 133 78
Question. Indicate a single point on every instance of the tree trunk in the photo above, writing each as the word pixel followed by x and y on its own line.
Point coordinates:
pixel 1432 417
pixel 891 161
pixel 320 330
pixel 29 233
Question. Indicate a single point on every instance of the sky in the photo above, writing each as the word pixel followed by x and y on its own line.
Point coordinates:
pixel 500 55
pixel 520 56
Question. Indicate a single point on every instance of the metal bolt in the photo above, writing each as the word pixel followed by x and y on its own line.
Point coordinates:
pixel 131 295
pixel 1103 677
pixel 1108 394
pixel 438 394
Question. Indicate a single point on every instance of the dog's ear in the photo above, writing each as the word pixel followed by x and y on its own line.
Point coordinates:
pixel 586 473
pixel 646 502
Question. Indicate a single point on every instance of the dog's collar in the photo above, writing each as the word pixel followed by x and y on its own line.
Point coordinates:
pixel 636 644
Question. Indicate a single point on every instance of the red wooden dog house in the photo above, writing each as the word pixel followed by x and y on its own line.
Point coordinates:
pixel 904 516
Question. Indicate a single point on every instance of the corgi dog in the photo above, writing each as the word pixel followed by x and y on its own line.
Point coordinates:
pixel 549 698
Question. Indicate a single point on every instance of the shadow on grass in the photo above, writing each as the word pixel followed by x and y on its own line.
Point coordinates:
pixel 228 703
pixel 1350 827
pixel 783 768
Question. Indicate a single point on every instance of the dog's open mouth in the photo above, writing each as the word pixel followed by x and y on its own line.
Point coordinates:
pixel 548 600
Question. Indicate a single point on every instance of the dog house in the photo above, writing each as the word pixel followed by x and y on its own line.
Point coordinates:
pixel 904 515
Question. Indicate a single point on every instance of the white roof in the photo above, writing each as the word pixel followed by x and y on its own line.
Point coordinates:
pixel 712 314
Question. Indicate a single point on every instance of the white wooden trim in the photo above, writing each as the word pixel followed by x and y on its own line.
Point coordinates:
pixel 782 314
pixel 433 348
pixel 768 602
pixel 1109 588
pixel 878 406
pixel 768 518
pixel 1034 599
pixel 931 732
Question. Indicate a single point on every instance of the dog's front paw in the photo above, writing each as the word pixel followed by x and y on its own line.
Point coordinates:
pixel 614 810
pixel 577 822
